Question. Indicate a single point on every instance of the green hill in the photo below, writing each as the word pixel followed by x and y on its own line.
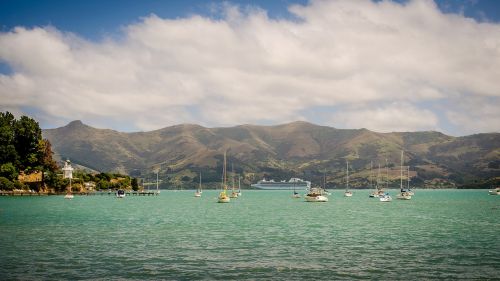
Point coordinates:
pixel 280 152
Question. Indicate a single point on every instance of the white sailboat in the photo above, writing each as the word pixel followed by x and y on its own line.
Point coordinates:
pixel 198 191
pixel 234 194
pixel 347 192
pixel 295 193
pixel 325 191
pixel 223 198
pixel 410 192
pixel 495 191
pixel 403 194
pixel 120 193
pixel 239 186
pixel 384 197
pixel 315 194
pixel 378 192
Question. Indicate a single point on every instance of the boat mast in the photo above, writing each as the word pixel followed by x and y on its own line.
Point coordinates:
pixel 371 174
pixel 199 186
pixel 224 172
pixel 386 174
pixel 401 175
pixel 347 177
pixel 408 181
pixel 232 174
pixel 378 177
pixel 157 172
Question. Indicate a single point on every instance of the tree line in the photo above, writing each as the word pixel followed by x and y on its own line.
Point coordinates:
pixel 23 150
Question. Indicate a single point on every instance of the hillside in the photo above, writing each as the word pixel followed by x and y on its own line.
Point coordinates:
pixel 295 149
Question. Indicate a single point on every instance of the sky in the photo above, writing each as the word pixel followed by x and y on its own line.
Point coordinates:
pixel 387 66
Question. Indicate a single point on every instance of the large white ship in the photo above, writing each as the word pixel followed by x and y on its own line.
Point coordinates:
pixel 293 183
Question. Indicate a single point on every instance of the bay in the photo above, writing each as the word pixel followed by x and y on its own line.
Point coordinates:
pixel 439 234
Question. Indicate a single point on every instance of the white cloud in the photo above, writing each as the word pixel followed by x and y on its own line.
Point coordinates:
pixel 395 117
pixel 246 67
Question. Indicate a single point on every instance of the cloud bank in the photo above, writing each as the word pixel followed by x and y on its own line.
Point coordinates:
pixel 384 66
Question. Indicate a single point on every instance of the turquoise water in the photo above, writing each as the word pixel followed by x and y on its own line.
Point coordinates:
pixel 447 234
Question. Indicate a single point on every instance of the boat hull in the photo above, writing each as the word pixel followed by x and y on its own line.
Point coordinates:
pixel 494 192
pixel 224 200
pixel 318 198
pixel 403 197
pixel 385 198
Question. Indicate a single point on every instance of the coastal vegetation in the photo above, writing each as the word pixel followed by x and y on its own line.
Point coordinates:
pixel 27 162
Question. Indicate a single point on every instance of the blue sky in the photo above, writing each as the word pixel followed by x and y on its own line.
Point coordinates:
pixel 262 62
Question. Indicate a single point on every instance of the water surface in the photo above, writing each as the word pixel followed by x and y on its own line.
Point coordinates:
pixel 445 234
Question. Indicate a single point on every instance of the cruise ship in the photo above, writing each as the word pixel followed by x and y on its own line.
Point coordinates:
pixel 296 183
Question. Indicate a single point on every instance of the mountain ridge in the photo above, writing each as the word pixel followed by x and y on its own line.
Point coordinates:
pixel 296 148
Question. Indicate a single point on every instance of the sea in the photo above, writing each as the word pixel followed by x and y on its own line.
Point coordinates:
pixel 263 235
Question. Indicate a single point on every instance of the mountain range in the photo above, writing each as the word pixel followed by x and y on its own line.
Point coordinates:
pixel 279 152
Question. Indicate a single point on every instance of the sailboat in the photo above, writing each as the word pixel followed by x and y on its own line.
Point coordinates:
pixel 120 193
pixel 378 190
pixel 316 194
pixel 198 191
pixel 410 192
pixel 403 194
pixel 223 198
pixel 325 192
pixel 239 186
pixel 347 192
pixel 234 194
pixel 495 191
pixel 384 197
pixel 295 193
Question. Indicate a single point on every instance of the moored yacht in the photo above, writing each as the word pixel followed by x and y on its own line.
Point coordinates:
pixel 223 198
pixel 120 193
pixel 316 194
pixel 495 191
pixel 403 194
pixel 385 198
pixel 347 192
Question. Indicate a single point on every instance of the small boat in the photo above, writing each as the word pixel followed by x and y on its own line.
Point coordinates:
pixel 198 192
pixel 495 191
pixel 239 186
pixel 223 198
pixel 408 189
pixel 347 192
pixel 385 198
pixel 69 196
pixel 295 194
pixel 379 191
pixel 403 194
pixel 120 193
pixel 234 194
pixel 316 194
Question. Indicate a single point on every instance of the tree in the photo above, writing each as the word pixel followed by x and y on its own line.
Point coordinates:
pixel 7 149
pixel 134 184
pixel 45 149
pixel 27 137
pixel 6 184
pixel 8 170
